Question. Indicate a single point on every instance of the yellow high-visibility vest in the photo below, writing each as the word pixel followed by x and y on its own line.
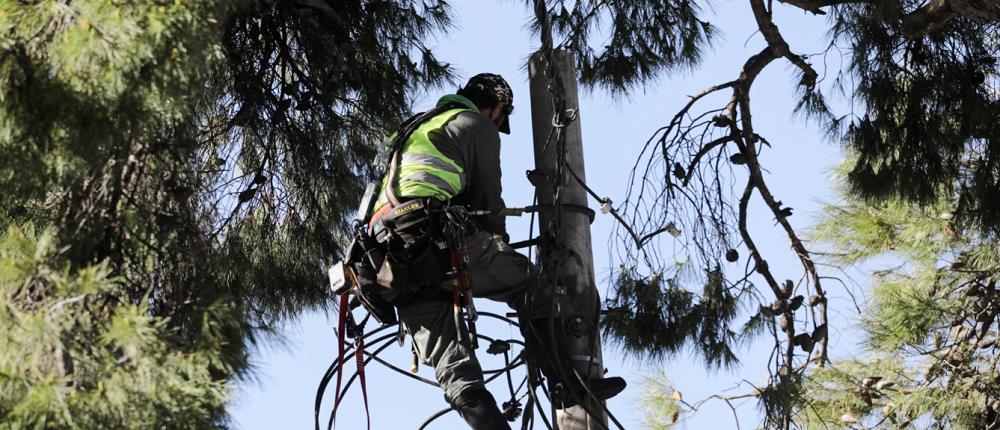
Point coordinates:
pixel 423 171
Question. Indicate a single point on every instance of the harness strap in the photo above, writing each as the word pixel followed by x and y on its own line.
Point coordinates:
pixel 341 335
pixel 456 296
pixel 390 191
pixel 401 139
pixel 384 209
pixel 470 307
pixel 461 297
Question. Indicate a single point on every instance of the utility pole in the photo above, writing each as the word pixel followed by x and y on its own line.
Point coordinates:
pixel 572 257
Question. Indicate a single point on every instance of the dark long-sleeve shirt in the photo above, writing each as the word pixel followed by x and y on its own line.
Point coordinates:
pixel 473 141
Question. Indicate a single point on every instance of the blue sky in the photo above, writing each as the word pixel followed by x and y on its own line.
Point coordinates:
pixel 492 36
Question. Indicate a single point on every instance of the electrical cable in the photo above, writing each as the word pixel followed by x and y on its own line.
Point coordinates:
pixel 433 417
pixel 389 339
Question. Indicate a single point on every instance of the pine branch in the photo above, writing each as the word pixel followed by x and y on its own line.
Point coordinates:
pixel 815 6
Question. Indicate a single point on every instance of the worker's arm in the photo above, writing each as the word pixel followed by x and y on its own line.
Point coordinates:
pixel 487 174
pixel 477 142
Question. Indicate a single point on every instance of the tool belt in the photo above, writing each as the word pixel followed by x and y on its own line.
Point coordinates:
pixel 416 252
pixel 392 260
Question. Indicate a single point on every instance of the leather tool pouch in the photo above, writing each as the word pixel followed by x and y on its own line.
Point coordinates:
pixel 418 253
pixel 358 272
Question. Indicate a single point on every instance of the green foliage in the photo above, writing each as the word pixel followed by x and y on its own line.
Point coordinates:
pixel 906 313
pixel 886 393
pixel 71 358
pixel 641 40
pixel 930 110
pixel 82 80
pixel 206 156
pixel 652 317
pixel 930 324
pixel 310 90
pixel 659 406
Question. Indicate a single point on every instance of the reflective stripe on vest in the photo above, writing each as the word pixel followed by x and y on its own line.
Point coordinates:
pixel 423 171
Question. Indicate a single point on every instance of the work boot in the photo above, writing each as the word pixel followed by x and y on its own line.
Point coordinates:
pixel 565 388
pixel 480 411
pixel 602 388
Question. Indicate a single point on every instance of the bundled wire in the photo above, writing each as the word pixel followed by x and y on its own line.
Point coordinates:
pixel 384 340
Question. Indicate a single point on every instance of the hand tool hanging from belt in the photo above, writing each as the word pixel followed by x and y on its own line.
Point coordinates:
pixel 461 292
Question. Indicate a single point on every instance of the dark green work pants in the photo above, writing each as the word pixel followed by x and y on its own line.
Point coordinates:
pixel 496 272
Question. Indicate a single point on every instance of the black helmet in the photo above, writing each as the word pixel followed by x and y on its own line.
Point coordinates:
pixel 490 90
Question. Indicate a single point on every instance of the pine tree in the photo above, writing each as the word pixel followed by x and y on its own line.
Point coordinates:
pixel 193 164
pixel 930 326
pixel 73 357
pixel 931 99
pixel 930 323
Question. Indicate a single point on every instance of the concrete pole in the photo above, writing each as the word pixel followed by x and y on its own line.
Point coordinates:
pixel 575 286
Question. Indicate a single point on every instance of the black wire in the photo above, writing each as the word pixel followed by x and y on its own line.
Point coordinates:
pixel 639 241
pixel 523 381
pixel 529 414
pixel 504 319
pixel 372 355
pixel 331 372
pixel 538 405
pixel 402 372
pixel 510 381
pixel 436 415
pixel 389 339
pixel 531 224
pixel 603 406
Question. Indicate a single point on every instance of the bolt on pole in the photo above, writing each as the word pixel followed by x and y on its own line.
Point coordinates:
pixel 575 285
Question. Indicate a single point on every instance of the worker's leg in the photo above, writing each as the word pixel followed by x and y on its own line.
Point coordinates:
pixel 498 272
pixel 456 368
pixel 432 326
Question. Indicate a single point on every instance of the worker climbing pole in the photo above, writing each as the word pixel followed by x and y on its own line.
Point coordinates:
pixel 433 217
